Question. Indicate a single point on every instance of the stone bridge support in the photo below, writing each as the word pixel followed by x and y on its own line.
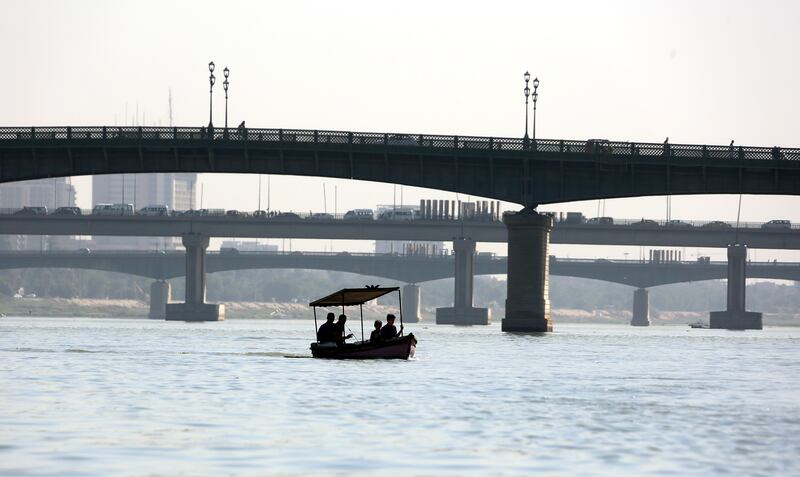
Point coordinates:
pixel 736 317
pixel 194 307
pixel 641 307
pixel 528 280
pixel 160 295
pixel 411 303
pixel 462 312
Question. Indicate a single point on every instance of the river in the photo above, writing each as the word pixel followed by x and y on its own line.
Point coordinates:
pixel 97 397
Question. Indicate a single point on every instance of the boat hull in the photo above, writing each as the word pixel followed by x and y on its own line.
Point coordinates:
pixel 398 348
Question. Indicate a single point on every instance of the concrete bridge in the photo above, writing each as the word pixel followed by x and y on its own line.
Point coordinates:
pixel 510 169
pixel 411 269
pixel 514 170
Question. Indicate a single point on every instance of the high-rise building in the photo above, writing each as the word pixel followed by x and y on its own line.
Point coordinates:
pixel 50 193
pixel 176 191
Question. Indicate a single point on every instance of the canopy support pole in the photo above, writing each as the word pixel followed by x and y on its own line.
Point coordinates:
pixel 316 328
pixel 400 304
pixel 361 309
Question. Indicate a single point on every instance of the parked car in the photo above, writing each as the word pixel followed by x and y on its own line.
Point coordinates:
pixel 321 216
pixel 644 223
pixel 678 223
pixel 717 224
pixel 32 210
pixel 777 224
pixel 154 211
pixel 68 211
pixel 600 221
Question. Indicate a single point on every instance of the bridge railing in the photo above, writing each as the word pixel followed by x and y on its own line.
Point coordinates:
pixel 398 140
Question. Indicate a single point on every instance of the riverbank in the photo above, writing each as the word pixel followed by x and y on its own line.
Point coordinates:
pixel 97 308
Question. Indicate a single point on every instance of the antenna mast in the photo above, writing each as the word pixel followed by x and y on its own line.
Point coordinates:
pixel 170 107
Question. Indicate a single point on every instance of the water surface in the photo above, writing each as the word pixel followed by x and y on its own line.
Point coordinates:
pixel 138 397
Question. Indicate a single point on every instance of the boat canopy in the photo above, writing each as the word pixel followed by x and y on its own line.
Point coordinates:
pixel 353 296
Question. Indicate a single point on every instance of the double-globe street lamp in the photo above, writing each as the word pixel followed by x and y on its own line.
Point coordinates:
pixel 527 92
pixel 211 81
pixel 226 72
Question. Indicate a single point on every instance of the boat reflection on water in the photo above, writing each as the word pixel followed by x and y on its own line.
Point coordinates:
pixel 402 347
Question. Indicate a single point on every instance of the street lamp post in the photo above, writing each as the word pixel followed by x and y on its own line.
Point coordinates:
pixel 226 72
pixel 535 98
pixel 211 81
pixel 527 92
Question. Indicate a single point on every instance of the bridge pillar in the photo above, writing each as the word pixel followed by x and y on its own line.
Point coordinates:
pixel 462 312
pixel 736 317
pixel 641 307
pixel 411 303
pixel 160 295
pixel 194 307
pixel 528 279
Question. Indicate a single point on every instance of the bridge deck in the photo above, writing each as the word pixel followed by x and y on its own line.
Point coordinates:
pixel 510 169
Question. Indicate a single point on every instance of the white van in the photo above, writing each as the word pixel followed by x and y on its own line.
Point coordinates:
pixel 154 210
pixel 397 214
pixel 113 209
pixel 359 214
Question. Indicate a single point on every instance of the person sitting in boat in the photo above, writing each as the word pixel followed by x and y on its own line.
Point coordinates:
pixel 339 333
pixel 327 332
pixel 376 333
pixel 389 331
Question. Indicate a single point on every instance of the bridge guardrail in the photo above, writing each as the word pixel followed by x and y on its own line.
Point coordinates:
pixel 395 140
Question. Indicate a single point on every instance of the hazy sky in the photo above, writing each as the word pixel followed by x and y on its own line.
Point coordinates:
pixel 696 71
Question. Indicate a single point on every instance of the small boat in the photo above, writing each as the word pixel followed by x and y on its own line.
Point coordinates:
pixel 397 348
pixel 402 347
pixel 699 324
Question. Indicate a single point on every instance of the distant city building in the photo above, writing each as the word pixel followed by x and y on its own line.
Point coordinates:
pixel 176 191
pixel 50 193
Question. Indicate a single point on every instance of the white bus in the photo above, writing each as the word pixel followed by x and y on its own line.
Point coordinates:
pixel 113 209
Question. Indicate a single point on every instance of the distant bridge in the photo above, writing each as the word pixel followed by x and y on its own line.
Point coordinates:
pixel 405 268
pixel 432 230
pixel 510 169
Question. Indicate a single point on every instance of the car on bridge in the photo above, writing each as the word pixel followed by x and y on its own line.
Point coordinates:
pixel 644 223
pixel 287 216
pixel 600 221
pixel 717 224
pixel 112 209
pixel 229 251
pixel 777 224
pixel 32 210
pixel 154 211
pixel 359 214
pixel 321 216
pixel 678 224
pixel 261 214
pixel 68 211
